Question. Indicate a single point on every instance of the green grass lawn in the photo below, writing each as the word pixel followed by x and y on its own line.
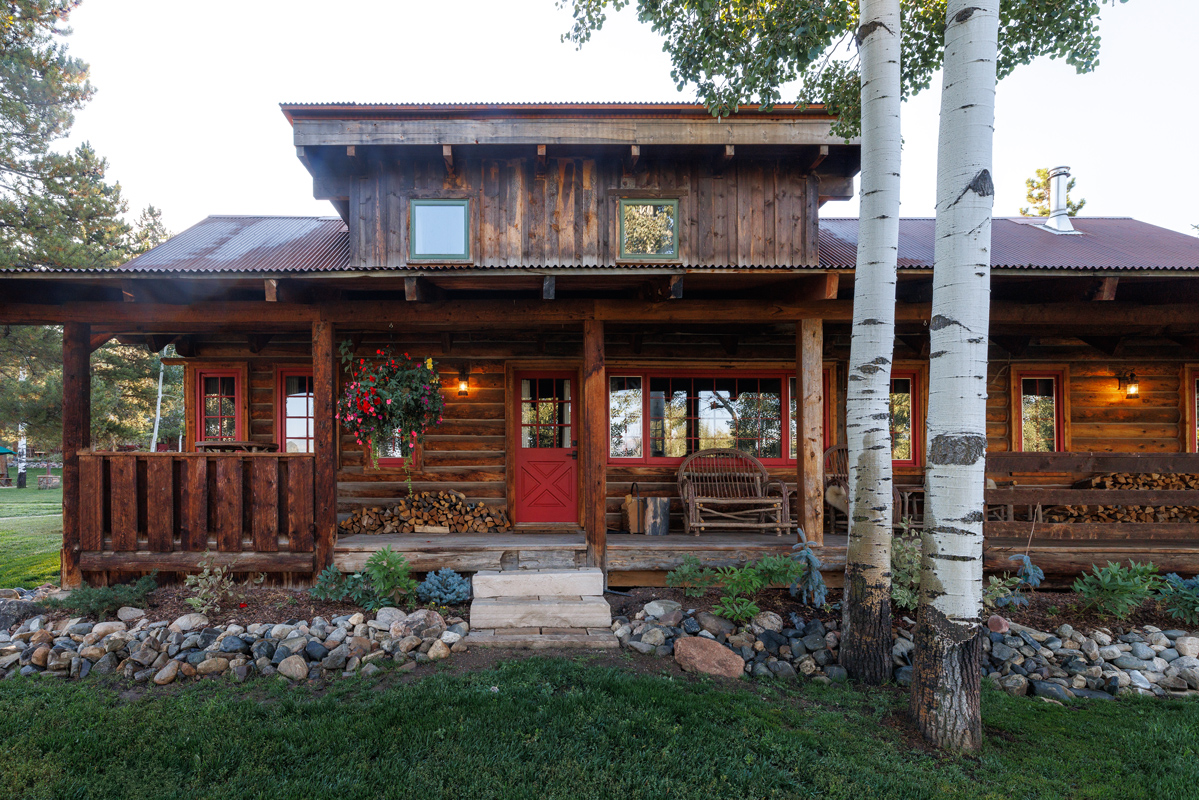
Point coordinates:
pixel 29 550
pixel 560 729
pixel 30 533
pixel 30 501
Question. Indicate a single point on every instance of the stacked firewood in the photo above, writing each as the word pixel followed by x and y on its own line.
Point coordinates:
pixel 428 512
pixel 1131 481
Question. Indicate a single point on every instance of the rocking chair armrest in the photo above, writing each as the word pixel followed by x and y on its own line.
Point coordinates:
pixel 686 492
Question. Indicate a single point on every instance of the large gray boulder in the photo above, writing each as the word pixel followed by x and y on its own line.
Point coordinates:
pixel 14 612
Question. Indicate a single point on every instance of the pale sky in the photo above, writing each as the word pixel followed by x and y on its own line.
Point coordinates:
pixel 187 108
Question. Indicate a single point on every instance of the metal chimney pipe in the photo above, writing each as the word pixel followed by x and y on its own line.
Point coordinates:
pixel 1059 217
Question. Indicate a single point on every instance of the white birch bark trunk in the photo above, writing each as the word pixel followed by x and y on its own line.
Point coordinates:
pixel 866 633
pixel 945 689
pixel 22 445
pixel 158 404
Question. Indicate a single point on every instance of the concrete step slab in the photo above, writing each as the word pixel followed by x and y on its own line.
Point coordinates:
pixel 541 612
pixel 538 582
pixel 544 641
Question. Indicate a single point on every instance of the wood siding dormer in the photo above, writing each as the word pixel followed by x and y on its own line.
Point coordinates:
pixel 564 213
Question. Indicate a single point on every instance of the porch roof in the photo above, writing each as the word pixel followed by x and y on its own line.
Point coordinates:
pixel 272 245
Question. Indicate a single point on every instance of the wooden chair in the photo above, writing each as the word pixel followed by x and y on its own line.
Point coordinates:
pixel 836 473
pixel 731 490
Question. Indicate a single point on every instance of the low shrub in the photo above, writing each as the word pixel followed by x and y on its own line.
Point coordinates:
pixel 102 601
pixel 1009 590
pixel 809 583
pixel 737 609
pixel 214 586
pixel 384 581
pixel 741 581
pixel 1181 598
pixel 1116 590
pixel 905 571
pixel 444 587
pixel 693 578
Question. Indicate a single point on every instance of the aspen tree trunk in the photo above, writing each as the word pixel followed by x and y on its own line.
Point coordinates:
pixel 945 687
pixel 158 404
pixel 866 614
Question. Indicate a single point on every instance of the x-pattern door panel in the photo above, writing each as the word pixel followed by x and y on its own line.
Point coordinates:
pixel 547 467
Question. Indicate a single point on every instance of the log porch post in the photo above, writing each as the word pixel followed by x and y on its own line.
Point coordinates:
pixel 595 449
pixel 76 435
pixel 324 379
pixel 809 426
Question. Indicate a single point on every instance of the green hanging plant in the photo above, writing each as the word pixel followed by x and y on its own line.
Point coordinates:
pixel 389 398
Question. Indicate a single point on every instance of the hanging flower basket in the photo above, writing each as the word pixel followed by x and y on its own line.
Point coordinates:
pixel 390 401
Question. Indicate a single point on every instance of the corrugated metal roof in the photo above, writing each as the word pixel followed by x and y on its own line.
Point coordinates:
pixel 246 244
pixel 240 244
pixel 1023 243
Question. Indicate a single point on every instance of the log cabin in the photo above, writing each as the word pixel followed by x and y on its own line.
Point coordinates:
pixel 507 243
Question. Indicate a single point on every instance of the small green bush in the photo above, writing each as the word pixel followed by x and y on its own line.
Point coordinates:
pixel 741 581
pixel 1181 598
pixel 445 587
pixel 388 572
pixel 214 586
pixel 905 572
pixel 329 586
pixel 1117 590
pixel 102 601
pixel 693 578
pixel 737 609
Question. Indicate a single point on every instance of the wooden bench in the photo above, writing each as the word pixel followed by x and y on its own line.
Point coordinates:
pixel 731 490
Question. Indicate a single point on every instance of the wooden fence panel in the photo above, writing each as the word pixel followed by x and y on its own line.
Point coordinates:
pixel 264 504
pixel 193 534
pixel 91 504
pixel 123 481
pixel 160 504
pixel 299 505
pixel 227 504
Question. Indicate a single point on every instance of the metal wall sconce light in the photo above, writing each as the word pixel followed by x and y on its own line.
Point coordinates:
pixel 463 381
pixel 1129 383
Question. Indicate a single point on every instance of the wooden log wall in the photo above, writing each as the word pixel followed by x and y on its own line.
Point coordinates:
pixel 143 511
pixel 746 213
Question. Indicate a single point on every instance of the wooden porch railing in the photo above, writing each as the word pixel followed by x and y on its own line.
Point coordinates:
pixel 1063 469
pixel 143 511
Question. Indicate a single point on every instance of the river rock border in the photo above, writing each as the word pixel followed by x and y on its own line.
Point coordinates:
pixel 143 651
pixel 1062 665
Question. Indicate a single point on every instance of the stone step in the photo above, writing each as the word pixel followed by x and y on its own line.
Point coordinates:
pixel 555 611
pixel 539 582
pixel 544 638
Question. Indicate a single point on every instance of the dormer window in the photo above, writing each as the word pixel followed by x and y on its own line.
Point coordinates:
pixel 649 229
pixel 439 230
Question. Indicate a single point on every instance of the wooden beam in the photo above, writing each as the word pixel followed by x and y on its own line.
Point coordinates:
pixel 447 155
pixel 324 379
pixel 918 343
pixel 447 342
pixel 727 155
pixel 595 443
pixel 351 151
pixel 98 340
pixel 809 409
pixel 1016 345
pixel 730 343
pixel 675 287
pixel 1104 344
pixel 155 343
pixel 634 156
pixel 257 341
pixel 635 342
pixel 187 347
pixel 270 290
pixel 547 287
pixel 818 158
pixel 421 290
pixel 183 561
pixel 1106 289
pixel 76 436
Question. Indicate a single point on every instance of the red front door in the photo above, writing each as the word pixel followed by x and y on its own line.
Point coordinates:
pixel 547 466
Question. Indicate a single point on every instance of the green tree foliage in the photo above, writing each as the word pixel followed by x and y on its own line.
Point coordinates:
pixel 149 231
pixel 742 51
pixel 1038 196
pixel 56 208
pixel 124 391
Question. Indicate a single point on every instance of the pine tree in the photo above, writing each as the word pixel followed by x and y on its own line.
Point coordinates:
pixel 1038 196
pixel 56 208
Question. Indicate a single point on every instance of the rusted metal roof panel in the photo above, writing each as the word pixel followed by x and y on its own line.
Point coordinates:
pixel 240 244
pixel 1023 243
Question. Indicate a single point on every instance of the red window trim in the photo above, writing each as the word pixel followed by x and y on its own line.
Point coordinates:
pixel 917 417
pixel 1059 402
pixel 281 376
pixel 645 375
pixel 239 424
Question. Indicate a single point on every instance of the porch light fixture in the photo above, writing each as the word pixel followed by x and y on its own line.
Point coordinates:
pixel 463 381
pixel 1129 383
